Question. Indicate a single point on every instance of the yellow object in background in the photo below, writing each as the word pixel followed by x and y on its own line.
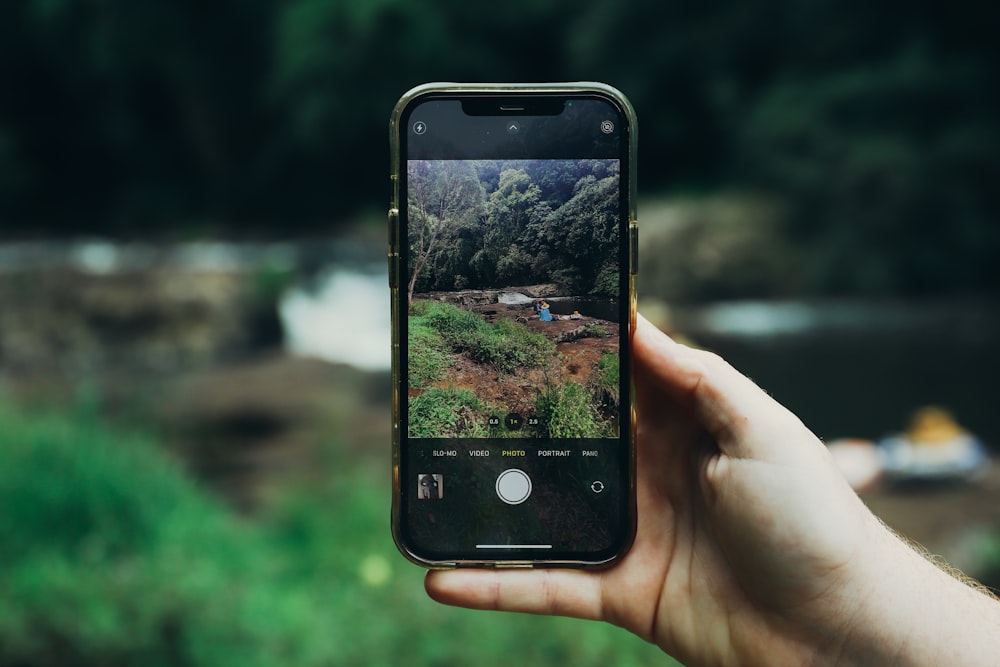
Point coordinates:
pixel 933 425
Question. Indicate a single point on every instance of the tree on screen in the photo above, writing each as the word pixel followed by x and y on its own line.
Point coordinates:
pixel 445 198
pixel 502 257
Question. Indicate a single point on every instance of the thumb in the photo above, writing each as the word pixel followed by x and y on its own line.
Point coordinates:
pixel 744 420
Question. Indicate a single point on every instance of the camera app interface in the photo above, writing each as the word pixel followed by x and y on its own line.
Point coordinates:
pixel 512 400
pixel 513 325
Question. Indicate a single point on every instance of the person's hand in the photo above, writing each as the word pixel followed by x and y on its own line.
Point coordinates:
pixel 751 548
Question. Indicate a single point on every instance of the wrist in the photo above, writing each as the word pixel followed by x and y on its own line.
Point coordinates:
pixel 913 612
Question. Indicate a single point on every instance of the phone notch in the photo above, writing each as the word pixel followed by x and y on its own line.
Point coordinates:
pixel 499 106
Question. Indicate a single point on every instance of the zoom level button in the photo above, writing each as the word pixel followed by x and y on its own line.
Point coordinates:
pixel 513 422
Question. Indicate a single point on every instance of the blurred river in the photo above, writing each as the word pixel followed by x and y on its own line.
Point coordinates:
pixel 860 368
pixel 848 368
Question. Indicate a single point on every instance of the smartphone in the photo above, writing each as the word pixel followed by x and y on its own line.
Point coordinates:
pixel 512 259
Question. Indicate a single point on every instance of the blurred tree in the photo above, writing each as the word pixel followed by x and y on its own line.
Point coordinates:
pixel 135 114
pixel 340 65
pixel 887 200
pixel 170 117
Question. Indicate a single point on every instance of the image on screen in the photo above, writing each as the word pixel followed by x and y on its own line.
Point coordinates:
pixel 512 287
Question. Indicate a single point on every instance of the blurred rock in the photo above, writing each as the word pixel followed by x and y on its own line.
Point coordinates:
pixel 727 246
pixel 64 321
pixel 242 428
pixel 194 354
pixel 947 520
pixel 859 461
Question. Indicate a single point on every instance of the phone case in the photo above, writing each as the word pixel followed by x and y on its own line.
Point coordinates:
pixel 394 284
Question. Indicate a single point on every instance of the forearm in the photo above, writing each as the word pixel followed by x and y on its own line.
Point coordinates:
pixel 916 613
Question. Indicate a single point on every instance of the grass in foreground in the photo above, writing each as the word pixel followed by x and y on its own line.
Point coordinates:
pixel 438 330
pixel 506 345
pixel 111 555
pixel 448 413
pixel 567 410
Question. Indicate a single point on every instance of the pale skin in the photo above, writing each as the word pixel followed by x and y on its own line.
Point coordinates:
pixel 751 548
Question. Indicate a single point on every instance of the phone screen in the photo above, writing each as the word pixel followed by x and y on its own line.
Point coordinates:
pixel 514 304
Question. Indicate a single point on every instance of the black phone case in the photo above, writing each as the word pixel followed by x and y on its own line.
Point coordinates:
pixel 397 161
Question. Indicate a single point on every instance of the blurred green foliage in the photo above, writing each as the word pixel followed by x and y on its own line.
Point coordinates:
pixel 879 122
pixel 110 555
pixel 897 200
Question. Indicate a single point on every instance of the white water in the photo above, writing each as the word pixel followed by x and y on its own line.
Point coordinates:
pixel 514 298
pixel 346 319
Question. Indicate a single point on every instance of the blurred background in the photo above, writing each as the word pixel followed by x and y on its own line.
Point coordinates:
pixel 194 327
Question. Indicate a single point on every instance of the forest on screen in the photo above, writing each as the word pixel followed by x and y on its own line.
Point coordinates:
pixel 499 223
